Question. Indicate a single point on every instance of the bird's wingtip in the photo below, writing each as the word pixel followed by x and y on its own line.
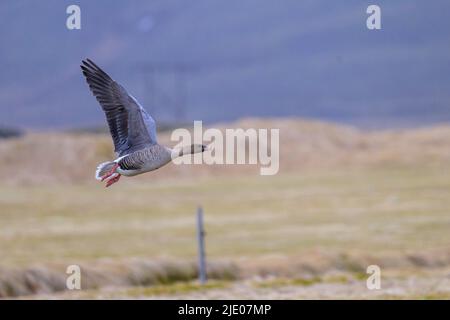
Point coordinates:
pixel 86 61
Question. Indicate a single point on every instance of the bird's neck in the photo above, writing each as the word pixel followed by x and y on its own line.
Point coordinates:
pixel 181 151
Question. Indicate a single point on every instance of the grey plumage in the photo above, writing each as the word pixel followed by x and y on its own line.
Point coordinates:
pixel 147 159
pixel 132 129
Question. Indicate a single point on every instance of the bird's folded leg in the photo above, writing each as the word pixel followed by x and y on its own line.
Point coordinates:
pixel 112 179
pixel 110 172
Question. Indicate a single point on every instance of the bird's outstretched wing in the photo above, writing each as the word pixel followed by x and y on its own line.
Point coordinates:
pixel 131 127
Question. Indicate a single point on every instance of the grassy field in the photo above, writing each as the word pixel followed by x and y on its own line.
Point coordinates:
pixel 325 226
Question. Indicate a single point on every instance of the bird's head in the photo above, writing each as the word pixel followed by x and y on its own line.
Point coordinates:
pixel 198 148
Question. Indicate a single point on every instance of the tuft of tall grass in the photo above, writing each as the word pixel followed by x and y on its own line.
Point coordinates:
pixel 50 279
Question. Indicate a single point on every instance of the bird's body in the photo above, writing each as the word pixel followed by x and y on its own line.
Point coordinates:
pixel 144 160
pixel 132 129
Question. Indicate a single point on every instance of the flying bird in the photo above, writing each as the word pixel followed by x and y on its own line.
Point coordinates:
pixel 132 129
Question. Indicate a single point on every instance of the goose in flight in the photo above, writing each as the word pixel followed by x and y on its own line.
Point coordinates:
pixel 132 129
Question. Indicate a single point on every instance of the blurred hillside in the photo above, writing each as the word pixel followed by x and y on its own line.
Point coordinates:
pixel 305 145
pixel 189 60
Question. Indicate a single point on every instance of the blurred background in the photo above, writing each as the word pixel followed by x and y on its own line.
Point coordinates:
pixel 364 149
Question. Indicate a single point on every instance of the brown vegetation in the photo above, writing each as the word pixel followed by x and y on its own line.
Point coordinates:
pixel 42 158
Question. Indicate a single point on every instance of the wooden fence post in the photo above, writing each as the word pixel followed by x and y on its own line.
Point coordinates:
pixel 201 246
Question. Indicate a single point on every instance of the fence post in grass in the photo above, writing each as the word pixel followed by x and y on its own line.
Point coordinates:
pixel 201 246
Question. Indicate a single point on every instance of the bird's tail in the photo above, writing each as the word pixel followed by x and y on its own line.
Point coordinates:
pixel 103 168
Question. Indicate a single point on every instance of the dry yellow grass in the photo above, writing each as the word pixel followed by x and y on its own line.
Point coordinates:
pixel 343 199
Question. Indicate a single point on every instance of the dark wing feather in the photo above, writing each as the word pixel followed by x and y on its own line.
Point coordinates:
pixel 130 126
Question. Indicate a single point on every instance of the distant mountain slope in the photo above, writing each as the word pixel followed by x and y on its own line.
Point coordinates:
pixel 305 145
pixel 221 60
